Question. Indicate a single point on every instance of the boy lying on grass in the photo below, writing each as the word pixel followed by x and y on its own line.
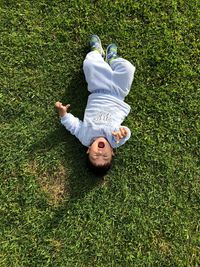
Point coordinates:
pixel 109 82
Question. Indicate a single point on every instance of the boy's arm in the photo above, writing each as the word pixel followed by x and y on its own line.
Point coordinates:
pixel 121 136
pixel 70 122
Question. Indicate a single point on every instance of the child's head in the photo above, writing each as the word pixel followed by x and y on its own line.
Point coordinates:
pixel 100 155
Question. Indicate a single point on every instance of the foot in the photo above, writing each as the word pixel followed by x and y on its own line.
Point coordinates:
pixel 111 53
pixel 95 44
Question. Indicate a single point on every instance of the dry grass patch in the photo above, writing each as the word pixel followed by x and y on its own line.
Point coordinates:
pixel 54 183
pixel 161 244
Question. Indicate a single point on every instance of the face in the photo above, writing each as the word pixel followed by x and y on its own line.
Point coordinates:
pixel 100 152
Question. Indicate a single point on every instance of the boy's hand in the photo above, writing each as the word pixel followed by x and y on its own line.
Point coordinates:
pixel 62 109
pixel 120 134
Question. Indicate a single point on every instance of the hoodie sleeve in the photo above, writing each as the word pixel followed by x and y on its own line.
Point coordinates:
pixel 71 123
pixel 114 144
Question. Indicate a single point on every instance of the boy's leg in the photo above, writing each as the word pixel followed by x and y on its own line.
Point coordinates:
pixel 123 74
pixel 97 72
pixel 123 71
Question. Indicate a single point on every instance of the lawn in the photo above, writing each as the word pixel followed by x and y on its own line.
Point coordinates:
pixel 54 212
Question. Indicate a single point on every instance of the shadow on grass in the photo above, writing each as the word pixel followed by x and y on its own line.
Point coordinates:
pixel 77 179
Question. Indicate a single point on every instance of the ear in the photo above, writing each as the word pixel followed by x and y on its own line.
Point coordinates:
pixel 88 151
pixel 113 154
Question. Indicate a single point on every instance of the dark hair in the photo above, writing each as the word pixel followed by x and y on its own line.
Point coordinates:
pixel 99 170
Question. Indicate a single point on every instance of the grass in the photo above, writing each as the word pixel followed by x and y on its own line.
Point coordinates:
pixel 53 211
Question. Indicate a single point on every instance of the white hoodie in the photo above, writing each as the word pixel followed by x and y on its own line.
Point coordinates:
pixel 104 114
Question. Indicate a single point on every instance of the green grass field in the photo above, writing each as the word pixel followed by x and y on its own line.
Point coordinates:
pixel 54 212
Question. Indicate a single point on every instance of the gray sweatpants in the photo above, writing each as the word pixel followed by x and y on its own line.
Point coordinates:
pixel 115 78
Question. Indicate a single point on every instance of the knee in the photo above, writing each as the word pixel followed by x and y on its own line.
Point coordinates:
pixel 124 66
pixel 130 67
pixel 87 64
pixel 90 60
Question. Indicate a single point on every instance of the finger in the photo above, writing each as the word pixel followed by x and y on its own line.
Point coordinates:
pixel 117 136
pixel 120 136
pixel 116 139
pixel 126 132
pixel 67 106
pixel 123 132
pixel 114 133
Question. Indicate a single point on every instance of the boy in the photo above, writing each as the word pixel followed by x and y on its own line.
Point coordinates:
pixel 109 82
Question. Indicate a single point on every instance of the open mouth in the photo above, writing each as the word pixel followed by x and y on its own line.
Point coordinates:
pixel 101 144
